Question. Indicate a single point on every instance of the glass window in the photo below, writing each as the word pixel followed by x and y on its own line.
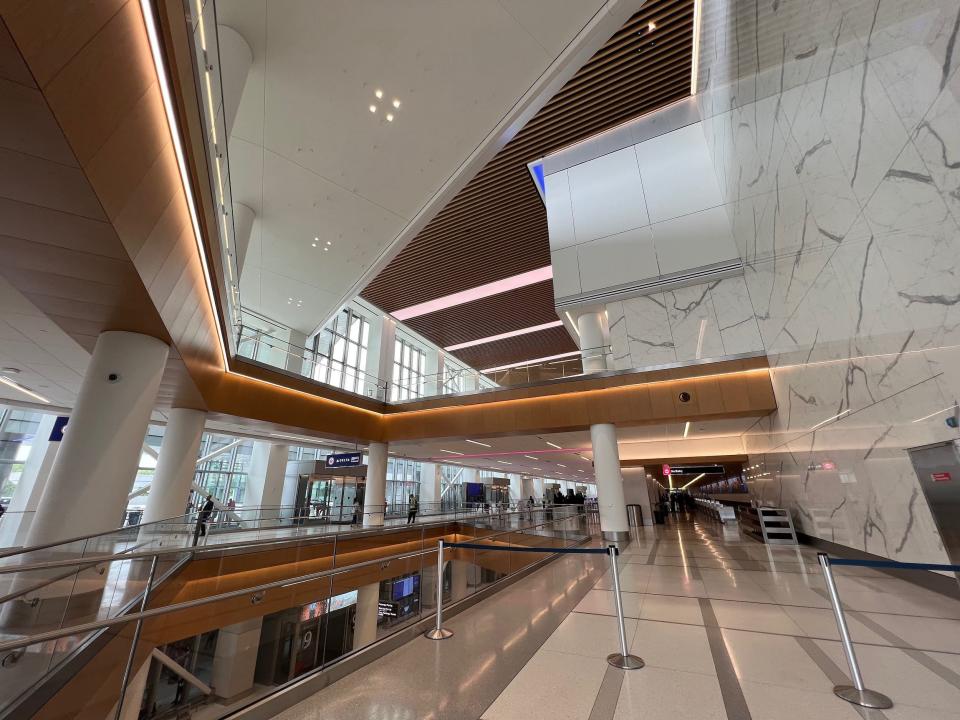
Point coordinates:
pixel 408 364
pixel 341 352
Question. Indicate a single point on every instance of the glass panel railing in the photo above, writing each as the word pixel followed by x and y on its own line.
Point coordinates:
pixel 266 346
pixel 303 607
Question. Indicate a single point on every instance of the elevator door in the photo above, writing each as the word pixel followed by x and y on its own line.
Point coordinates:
pixel 938 469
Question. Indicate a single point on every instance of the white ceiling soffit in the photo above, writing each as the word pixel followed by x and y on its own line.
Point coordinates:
pixel 312 161
pixel 47 361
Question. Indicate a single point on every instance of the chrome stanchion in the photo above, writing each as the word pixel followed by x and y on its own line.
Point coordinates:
pixel 439 632
pixel 623 659
pixel 856 693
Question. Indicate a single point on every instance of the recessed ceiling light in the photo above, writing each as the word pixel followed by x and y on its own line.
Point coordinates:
pixel 541 469
pixel 651 26
pixel 325 249
pixel 559 465
pixel 329 242
pixel 396 103
pixel 373 108
pixel 313 244
pixel 389 117
pixel 553 445
pixel 531 457
pixel 451 452
pixel 504 462
pixel 378 93
pixel 26 391
pixel 477 442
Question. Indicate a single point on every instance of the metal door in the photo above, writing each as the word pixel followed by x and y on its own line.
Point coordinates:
pixel 938 470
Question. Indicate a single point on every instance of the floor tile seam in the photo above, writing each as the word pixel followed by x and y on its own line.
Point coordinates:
pixel 811 607
pixel 731 692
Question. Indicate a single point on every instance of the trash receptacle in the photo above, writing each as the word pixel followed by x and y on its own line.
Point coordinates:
pixel 634 515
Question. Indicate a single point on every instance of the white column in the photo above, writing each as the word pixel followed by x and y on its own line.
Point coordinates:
pixel 15 524
pixel 365 620
pixel 527 488
pixel 236 57
pixel 296 351
pixel 388 338
pixel 268 466
pixel 243 218
pixel 434 369
pixel 430 488
pixel 375 494
pixel 610 501
pixel 516 487
pixel 176 466
pixel 636 491
pixel 235 659
pixel 98 459
pixel 606 456
pixel 592 327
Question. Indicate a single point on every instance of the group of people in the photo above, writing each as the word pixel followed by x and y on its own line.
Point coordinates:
pixel 571 498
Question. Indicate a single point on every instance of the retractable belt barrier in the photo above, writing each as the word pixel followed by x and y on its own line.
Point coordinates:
pixel 622 659
pixel 858 694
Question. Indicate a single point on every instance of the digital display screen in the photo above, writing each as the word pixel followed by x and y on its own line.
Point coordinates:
pixel 405 587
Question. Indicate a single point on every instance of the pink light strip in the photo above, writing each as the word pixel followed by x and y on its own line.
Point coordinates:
pixel 531 362
pixel 477 293
pixel 446 458
pixel 504 336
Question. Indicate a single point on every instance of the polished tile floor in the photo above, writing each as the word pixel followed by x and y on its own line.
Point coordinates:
pixel 729 628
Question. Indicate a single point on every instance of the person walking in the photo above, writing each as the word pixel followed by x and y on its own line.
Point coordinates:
pixel 413 505
pixel 356 511
pixel 203 518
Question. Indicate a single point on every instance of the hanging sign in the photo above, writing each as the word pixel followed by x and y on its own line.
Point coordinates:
pixel 344 460
pixel 666 471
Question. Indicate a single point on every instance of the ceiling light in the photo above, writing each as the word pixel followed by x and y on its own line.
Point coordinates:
pixel 451 452
pixel 329 242
pixel 477 442
pixel 477 293
pixel 559 465
pixel 553 445
pixel 378 93
pixel 686 428
pixel 396 103
pixel 533 361
pixel 325 249
pixel 389 117
pixel 504 462
pixel 373 108
pixel 531 457
pixel 17 386
pixel 313 244
pixel 651 26
pixel 504 336
pixel 540 469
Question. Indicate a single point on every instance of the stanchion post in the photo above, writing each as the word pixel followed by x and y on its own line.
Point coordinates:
pixel 856 693
pixel 439 632
pixel 623 659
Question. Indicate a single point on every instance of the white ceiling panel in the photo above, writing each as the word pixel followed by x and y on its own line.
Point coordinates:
pixel 308 156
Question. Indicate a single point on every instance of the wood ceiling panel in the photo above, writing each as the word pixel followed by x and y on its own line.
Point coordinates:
pixel 514 310
pixel 517 349
pixel 497 226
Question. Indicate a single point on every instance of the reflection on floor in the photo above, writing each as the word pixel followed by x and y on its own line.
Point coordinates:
pixel 729 628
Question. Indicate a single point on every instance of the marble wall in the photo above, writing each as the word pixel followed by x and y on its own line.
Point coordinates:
pixel 834 128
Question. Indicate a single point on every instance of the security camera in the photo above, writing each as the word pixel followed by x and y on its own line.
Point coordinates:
pixel 684 397
pixel 113 377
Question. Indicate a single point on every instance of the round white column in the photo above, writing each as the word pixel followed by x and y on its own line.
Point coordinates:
pixel 176 466
pixel 375 493
pixel 592 329
pixel 610 501
pixel 98 458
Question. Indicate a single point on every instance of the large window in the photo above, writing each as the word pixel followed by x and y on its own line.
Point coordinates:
pixel 454 379
pixel 341 352
pixel 409 363
pixel 224 475
pixel 403 480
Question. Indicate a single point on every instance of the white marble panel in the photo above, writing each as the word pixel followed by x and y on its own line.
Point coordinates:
pixel 607 196
pixel 647 330
pixel 693 322
pixel 617 259
pixel 559 210
pixel 695 240
pixel 678 177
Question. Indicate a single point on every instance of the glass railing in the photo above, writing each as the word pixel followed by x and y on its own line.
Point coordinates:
pixel 254 343
pixel 312 602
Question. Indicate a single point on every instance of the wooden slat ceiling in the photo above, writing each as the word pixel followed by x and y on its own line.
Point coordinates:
pixel 543 343
pixel 496 226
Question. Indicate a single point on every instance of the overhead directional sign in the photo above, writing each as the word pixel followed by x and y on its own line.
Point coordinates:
pixel 344 460
pixel 694 469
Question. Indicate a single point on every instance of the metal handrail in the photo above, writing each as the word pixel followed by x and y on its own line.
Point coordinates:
pixel 97 559
pixel 26 641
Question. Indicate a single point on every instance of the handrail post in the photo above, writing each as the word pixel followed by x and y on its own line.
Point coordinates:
pixel 623 659
pixel 439 632
pixel 856 694
pixel 136 639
